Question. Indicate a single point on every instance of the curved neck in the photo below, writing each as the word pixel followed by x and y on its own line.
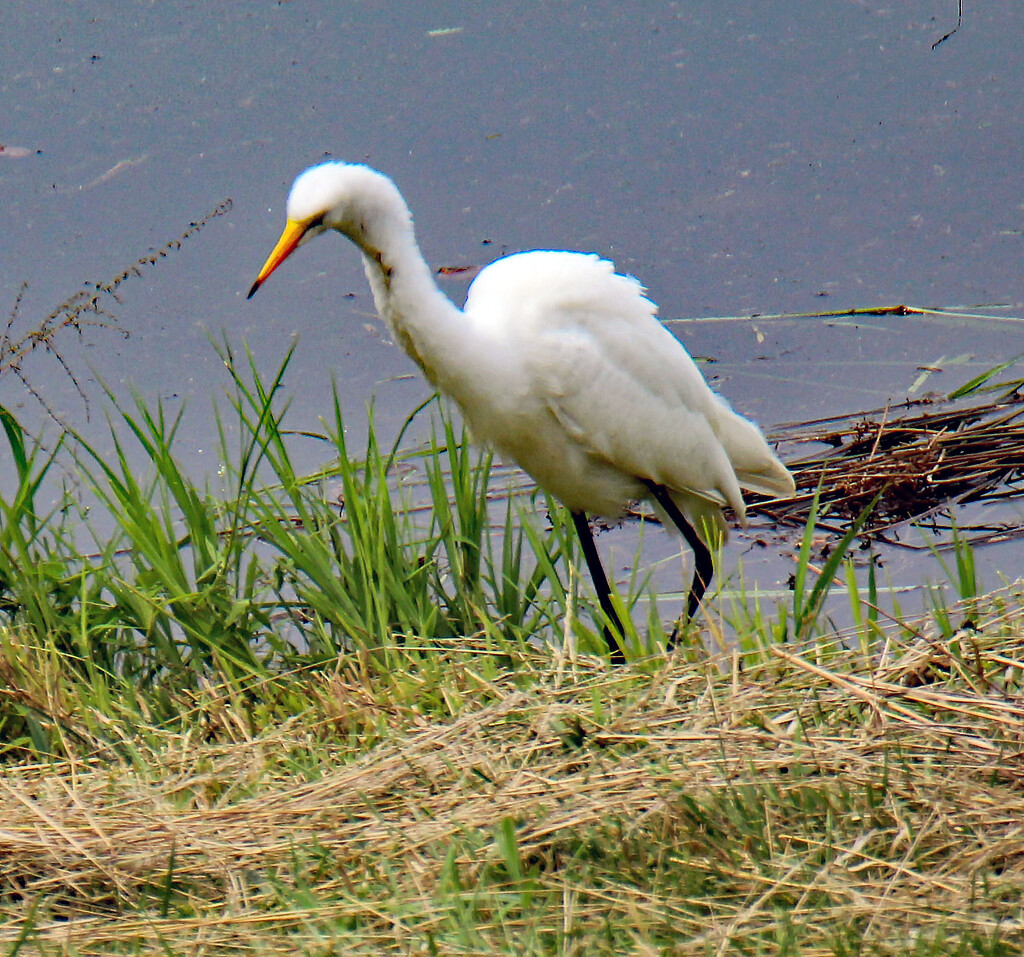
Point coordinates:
pixel 419 316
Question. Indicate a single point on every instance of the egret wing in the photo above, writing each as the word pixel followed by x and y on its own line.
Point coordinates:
pixel 621 385
pixel 611 397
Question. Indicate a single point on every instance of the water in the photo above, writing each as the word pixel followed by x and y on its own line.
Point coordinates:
pixel 739 158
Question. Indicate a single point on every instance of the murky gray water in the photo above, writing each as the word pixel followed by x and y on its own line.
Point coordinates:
pixel 738 157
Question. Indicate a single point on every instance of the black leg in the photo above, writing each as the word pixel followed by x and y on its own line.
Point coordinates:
pixel 601 586
pixel 703 569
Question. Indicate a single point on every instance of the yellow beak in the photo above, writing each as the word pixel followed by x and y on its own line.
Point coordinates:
pixel 293 233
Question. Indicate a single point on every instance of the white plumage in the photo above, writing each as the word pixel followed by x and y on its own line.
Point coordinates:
pixel 558 362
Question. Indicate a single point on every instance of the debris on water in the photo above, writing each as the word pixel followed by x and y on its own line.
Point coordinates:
pixel 920 457
pixel 16 152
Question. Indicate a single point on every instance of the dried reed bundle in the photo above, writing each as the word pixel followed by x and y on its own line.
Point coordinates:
pixel 920 457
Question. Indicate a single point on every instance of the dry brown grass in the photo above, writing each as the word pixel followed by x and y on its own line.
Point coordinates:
pixel 789 802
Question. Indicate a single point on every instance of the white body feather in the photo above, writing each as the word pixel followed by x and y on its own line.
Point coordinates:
pixel 555 360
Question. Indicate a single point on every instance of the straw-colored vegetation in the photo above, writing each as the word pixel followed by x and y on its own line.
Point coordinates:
pixel 302 716
pixel 790 801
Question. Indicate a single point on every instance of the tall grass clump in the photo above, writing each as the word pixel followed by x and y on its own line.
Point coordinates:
pixel 360 564
pixel 183 586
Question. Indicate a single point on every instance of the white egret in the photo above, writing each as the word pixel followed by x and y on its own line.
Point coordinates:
pixel 559 363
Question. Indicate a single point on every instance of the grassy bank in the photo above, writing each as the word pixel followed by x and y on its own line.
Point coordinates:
pixel 795 801
pixel 353 713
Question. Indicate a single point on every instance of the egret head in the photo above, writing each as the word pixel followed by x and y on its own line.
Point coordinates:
pixel 351 198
